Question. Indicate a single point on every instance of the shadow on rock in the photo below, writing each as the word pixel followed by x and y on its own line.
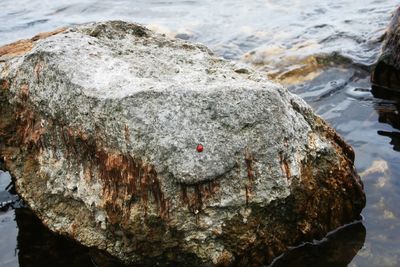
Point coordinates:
pixel 39 247
pixel 337 249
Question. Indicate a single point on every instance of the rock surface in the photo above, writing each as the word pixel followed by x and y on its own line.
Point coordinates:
pixel 100 125
pixel 386 75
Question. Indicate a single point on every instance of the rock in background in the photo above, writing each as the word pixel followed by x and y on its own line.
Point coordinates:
pixel 100 126
pixel 386 75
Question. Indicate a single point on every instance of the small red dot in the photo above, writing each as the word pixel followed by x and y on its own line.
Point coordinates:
pixel 200 148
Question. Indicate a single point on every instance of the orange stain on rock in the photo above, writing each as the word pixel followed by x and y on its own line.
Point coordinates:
pixel 23 46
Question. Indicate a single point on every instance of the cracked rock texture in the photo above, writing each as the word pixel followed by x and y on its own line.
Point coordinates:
pixel 99 126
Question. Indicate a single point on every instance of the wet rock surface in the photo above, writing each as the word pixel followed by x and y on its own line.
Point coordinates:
pixel 101 125
pixel 386 76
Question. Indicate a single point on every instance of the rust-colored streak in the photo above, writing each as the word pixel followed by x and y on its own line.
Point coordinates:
pixel 4 85
pixel 249 165
pixel 247 194
pixel 249 159
pixel 20 126
pixel 29 130
pixel 127 134
pixel 69 142
pixel 184 194
pixel 24 91
pixel 195 196
pixel 285 166
pixel 198 198
pixel 25 117
pixel 126 179
pixel 163 204
pixel 38 68
pixel 23 46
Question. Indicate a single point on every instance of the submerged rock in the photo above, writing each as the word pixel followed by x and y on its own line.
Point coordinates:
pixel 101 126
pixel 386 75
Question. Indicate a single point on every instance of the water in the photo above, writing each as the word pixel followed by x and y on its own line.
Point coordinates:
pixel 322 50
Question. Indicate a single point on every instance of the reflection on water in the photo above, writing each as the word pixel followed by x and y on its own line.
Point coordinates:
pixel 389 112
pixel 8 229
pixel 387 105
pixel 322 50
pixel 337 250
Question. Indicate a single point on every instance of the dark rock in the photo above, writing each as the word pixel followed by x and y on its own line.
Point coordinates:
pixel 386 75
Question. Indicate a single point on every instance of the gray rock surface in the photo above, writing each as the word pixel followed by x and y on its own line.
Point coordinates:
pixel 100 128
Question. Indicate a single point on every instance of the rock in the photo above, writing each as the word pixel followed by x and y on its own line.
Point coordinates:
pixel 386 75
pixel 101 125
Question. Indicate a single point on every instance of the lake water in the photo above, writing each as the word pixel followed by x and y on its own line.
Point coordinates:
pixel 322 50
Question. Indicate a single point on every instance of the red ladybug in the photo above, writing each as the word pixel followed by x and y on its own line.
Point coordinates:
pixel 199 148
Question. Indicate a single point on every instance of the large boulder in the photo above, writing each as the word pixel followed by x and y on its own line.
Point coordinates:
pixel 100 126
pixel 386 75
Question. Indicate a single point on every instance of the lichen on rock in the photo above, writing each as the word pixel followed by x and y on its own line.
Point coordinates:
pixel 100 126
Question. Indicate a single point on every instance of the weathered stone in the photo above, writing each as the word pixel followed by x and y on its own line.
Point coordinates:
pixel 100 126
pixel 386 75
